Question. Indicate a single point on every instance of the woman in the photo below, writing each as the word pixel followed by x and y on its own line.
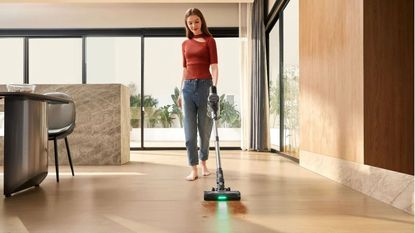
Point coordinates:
pixel 199 55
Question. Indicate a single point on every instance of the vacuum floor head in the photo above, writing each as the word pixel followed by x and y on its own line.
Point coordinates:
pixel 222 195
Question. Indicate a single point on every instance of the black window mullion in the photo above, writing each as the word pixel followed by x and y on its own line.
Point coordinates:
pixel 266 7
pixel 84 78
pixel 281 81
pixel 272 17
pixel 142 92
pixel 26 60
pixel 149 32
pixel 267 58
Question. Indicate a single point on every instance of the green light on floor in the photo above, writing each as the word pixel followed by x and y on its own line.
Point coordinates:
pixel 222 198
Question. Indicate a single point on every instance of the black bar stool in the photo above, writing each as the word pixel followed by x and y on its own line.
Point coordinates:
pixel 61 123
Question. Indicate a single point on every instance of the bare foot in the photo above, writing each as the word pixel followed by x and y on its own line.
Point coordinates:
pixel 193 174
pixel 191 177
pixel 205 170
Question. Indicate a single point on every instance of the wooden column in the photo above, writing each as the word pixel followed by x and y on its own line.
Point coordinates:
pixel 389 84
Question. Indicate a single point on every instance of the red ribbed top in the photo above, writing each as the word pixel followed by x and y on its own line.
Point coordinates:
pixel 198 56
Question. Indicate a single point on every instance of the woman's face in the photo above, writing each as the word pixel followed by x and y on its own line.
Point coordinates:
pixel 194 24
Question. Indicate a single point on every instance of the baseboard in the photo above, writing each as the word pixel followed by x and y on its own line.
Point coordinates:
pixel 393 188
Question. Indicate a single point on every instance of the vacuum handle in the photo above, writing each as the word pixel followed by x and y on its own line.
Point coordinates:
pixel 213 90
pixel 213 100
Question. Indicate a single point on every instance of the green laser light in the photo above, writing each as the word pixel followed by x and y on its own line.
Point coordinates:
pixel 222 198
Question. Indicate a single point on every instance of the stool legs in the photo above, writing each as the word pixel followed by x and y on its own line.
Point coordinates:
pixel 69 155
pixel 56 159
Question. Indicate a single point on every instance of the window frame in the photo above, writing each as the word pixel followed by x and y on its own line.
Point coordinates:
pixel 276 15
pixel 26 34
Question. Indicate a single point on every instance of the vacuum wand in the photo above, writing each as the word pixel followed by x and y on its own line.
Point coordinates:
pixel 213 100
pixel 220 193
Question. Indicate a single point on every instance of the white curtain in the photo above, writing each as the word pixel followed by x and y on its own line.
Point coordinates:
pixel 255 102
pixel 245 32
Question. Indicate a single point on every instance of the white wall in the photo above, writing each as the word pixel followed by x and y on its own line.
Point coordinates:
pixel 111 15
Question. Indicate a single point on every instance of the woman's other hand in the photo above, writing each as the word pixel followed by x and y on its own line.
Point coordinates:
pixel 179 101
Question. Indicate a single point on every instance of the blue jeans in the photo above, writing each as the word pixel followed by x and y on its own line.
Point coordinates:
pixel 195 96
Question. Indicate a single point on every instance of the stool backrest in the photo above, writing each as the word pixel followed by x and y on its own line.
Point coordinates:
pixel 61 115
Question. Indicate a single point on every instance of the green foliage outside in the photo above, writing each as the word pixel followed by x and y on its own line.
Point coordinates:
pixel 229 117
pixel 291 98
pixel 165 116
pixel 151 113
pixel 274 103
pixel 175 107
pixel 291 107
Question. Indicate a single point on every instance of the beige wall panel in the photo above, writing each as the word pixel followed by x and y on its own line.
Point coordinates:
pixel 331 83
pixel 102 133
pixel 112 15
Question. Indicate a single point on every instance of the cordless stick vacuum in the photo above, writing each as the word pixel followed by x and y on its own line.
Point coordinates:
pixel 220 193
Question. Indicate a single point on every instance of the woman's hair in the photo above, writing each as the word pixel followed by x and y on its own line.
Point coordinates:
pixel 197 12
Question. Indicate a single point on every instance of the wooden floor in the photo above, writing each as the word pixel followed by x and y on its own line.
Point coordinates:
pixel 150 195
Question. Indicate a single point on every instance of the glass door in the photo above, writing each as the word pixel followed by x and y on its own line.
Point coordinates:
pixel 118 60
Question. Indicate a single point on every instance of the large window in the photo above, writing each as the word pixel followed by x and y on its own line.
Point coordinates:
pixel 55 61
pixel 118 60
pixel 11 60
pixel 284 80
pixel 162 76
pixel 114 60
pixel 274 86
pixel 291 78
pixel 229 85
pixel 11 66
pixel 58 59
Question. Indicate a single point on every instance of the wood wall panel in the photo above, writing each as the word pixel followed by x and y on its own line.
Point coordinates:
pixel 331 83
pixel 389 84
